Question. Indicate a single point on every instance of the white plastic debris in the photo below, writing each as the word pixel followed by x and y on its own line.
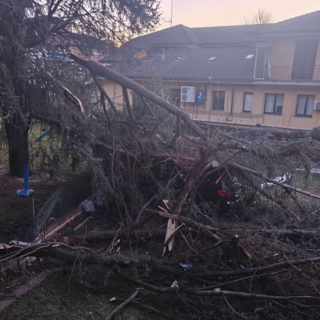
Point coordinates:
pixel 312 170
pixel 175 284
pixel 215 164
pixel 88 206
pixel 18 243
pixel 283 179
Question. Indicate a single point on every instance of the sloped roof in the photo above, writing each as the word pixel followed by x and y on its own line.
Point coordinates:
pixel 230 45
pixel 229 65
pixel 174 36
pixel 181 35
pixel 225 35
pixel 307 23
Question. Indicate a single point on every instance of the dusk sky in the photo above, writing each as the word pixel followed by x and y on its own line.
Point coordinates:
pixel 204 13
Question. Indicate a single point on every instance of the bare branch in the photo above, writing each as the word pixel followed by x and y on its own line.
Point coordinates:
pixel 283 185
pixel 122 305
pixel 262 16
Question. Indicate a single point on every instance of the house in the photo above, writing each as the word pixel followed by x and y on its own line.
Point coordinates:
pixel 249 75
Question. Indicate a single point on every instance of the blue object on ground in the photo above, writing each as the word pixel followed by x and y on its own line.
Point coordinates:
pixel 186 266
pixel 26 192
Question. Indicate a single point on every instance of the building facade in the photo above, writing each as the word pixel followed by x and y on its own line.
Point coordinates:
pixel 257 75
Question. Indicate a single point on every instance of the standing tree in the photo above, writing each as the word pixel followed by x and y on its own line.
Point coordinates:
pixel 261 17
pixel 29 27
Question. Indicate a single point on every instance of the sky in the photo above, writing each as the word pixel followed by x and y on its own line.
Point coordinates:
pixel 206 13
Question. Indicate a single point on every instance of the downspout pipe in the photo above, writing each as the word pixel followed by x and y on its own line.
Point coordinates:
pixel 232 98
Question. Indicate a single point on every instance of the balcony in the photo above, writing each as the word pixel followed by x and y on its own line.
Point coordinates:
pixel 292 73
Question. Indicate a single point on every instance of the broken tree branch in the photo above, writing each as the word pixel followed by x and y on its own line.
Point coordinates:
pixel 147 106
pixel 108 235
pixel 188 222
pixel 284 264
pixel 198 169
pixel 290 232
pixel 116 77
pixel 104 93
pixel 127 101
pixel 214 293
pixel 283 185
pixel 147 308
pixel 122 305
pixel 45 119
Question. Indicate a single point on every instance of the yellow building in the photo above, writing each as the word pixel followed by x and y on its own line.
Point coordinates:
pixel 254 75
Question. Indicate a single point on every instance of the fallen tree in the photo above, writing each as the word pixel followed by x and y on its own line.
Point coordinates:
pixel 148 171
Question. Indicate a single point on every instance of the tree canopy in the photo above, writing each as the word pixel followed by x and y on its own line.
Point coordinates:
pixel 29 29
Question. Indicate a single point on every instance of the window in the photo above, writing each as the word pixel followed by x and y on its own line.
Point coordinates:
pixel 218 100
pixel 247 103
pixel 274 103
pixel 304 59
pixel 305 105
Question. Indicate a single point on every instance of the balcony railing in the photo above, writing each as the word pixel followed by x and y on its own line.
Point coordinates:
pixel 291 73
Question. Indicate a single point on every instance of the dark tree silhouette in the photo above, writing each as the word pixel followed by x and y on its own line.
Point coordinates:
pixel 261 17
pixel 29 27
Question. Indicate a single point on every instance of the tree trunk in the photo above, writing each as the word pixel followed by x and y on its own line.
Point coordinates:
pixel 17 136
pixel 16 125
pixel 14 79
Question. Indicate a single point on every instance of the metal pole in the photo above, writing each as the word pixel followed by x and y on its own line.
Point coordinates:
pixel 26 177
pixel 33 213
pixel 171 12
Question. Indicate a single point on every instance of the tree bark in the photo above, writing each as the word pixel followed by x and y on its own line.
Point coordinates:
pixel 13 82
pixel 17 136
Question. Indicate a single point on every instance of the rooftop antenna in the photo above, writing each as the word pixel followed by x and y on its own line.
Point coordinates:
pixel 171 20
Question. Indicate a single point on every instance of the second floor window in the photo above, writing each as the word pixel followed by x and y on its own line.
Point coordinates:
pixel 304 59
pixel 218 98
pixel 274 103
pixel 305 105
pixel 247 103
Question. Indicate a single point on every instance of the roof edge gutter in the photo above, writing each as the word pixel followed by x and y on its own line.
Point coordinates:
pixel 225 82
pixel 285 34
pixel 287 83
